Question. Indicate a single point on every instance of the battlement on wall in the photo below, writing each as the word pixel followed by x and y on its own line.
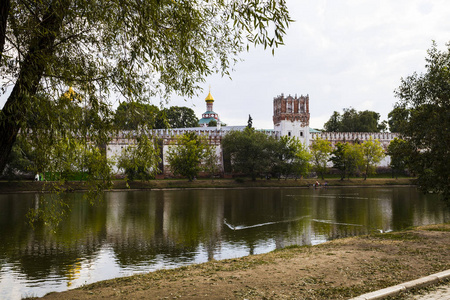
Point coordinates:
pixel 334 137
pixel 214 135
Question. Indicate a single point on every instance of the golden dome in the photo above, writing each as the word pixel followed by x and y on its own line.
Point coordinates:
pixel 209 97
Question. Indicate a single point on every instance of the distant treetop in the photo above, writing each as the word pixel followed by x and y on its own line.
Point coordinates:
pixel 355 121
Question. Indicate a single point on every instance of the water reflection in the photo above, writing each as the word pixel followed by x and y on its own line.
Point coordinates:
pixel 138 231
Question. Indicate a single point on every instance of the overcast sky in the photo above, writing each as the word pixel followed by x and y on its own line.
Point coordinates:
pixel 343 53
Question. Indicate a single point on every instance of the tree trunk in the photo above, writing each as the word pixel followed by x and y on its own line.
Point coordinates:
pixel 13 114
pixel 8 134
pixel 4 13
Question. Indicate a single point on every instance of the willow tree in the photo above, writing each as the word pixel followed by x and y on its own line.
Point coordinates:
pixel 132 48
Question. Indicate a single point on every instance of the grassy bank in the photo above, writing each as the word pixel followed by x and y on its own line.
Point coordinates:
pixel 32 186
pixel 338 269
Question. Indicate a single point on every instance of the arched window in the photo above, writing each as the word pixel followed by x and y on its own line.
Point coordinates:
pixel 301 106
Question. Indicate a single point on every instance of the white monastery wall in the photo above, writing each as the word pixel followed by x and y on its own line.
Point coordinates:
pixel 290 117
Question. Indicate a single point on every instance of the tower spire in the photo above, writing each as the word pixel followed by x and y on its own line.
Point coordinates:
pixel 209 98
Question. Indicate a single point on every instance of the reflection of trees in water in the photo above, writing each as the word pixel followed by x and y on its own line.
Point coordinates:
pixel 361 207
pixel 39 250
pixel 331 231
pixel 166 225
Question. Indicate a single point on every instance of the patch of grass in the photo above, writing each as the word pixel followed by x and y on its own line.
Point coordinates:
pixel 288 247
pixel 442 228
pixel 340 292
pixel 312 280
pixel 397 236
pixel 249 292
pixel 29 298
pixel 294 248
pixel 243 264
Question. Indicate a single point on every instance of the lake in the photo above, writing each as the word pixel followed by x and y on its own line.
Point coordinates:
pixel 132 232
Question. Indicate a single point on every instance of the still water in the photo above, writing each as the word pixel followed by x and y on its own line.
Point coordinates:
pixel 140 231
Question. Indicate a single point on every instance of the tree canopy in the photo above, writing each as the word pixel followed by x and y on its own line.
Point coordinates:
pixel 354 121
pixel 254 153
pixel 320 151
pixel 290 157
pixel 135 49
pixel 177 117
pixel 132 115
pixel 347 159
pixel 397 118
pixel 372 154
pixel 140 160
pixel 398 151
pixel 249 152
pixel 427 130
pixel 187 153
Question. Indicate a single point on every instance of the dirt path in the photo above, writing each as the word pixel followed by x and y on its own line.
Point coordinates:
pixel 339 269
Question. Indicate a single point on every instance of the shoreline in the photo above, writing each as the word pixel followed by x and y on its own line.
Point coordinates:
pixel 338 269
pixel 7 187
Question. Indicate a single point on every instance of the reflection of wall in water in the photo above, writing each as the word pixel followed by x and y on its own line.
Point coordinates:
pixel 147 224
